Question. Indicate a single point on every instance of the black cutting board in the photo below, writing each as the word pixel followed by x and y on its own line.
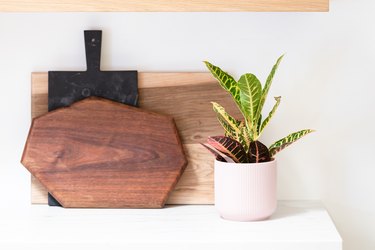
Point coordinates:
pixel 67 87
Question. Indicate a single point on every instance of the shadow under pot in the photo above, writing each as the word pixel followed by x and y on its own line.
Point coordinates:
pixel 245 191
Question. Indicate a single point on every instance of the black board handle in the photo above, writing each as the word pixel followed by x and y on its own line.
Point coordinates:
pixel 93 47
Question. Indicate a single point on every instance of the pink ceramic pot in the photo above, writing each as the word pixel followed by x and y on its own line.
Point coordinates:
pixel 245 191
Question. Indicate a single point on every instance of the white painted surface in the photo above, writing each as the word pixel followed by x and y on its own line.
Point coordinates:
pixel 326 82
pixel 295 226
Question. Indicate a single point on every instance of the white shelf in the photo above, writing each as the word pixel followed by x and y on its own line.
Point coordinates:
pixel 295 226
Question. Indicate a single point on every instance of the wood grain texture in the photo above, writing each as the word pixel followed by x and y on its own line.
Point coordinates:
pixel 185 96
pixel 162 5
pixel 196 185
pixel 190 107
pixel 100 153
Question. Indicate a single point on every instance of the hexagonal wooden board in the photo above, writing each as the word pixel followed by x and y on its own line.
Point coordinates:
pixel 98 153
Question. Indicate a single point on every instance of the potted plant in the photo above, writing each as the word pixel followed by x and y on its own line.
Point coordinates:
pixel 245 169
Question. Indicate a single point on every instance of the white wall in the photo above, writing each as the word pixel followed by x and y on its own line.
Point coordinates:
pixel 326 81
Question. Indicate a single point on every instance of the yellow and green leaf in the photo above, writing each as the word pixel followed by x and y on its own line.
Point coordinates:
pixel 229 123
pixel 226 81
pixel 272 112
pixel 267 86
pixel 259 124
pixel 250 94
pixel 245 137
pixel 288 140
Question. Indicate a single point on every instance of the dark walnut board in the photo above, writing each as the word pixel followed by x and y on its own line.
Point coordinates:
pixel 99 153
pixel 184 96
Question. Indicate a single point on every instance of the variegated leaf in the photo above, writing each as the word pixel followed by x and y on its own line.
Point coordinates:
pixel 229 123
pixel 251 91
pixel 242 137
pixel 226 81
pixel 245 137
pixel 259 125
pixel 218 155
pixel 229 147
pixel 286 141
pixel 258 152
pixel 272 112
pixel 267 85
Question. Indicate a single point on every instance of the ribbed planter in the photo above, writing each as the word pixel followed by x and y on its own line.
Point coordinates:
pixel 245 191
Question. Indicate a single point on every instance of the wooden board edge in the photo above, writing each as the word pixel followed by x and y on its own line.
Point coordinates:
pixel 163 6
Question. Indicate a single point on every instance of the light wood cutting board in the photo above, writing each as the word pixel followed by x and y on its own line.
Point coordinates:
pixel 186 97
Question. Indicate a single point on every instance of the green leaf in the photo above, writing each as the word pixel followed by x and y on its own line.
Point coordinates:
pixel 229 147
pixel 272 112
pixel 286 141
pixel 244 137
pixel 258 126
pixel 250 94
pixel 267 86
pixel 229 123
pixel 226 81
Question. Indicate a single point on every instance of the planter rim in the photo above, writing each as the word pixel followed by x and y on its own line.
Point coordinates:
pixel 231 164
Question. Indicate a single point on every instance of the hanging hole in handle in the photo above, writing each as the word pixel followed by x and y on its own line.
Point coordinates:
pixel 93 42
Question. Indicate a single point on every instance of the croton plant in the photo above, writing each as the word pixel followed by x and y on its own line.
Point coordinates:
pixel 241 144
